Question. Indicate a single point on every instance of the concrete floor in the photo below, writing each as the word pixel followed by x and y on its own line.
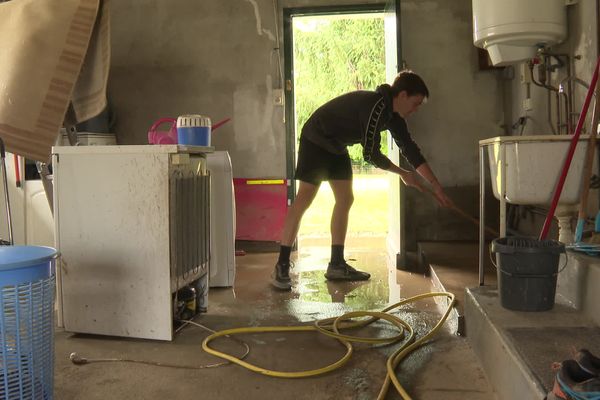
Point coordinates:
pixel 444 369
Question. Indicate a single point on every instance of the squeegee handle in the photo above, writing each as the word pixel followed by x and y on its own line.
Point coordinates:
pixel 573 145
pixel 474 220
pixel 465 215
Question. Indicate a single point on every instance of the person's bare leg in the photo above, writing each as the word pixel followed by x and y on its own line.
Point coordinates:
pixel 304 198
pixel 344 197
pixel 338 269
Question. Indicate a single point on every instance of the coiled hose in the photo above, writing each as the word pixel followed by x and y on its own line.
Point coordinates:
pixel 332 326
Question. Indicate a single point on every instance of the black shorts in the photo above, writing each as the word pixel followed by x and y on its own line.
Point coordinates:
pixel 316 164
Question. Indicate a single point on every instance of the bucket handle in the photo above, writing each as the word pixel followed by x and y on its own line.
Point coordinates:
pixel 528 275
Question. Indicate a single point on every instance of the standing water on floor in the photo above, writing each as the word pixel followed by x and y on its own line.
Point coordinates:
pixel 443 369
pixel 314 297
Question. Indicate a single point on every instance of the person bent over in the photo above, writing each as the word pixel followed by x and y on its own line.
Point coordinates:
pixel 355 117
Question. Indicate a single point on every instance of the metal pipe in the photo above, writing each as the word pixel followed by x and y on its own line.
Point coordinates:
pixel 569 99
pixel 558 114
pixel 530 64
pixel 570 80
pixel 576 80
pixel 547 68
pixel 542 83
pixel 549 108
pixel 567 113
pixel 502 177
pixel 481 213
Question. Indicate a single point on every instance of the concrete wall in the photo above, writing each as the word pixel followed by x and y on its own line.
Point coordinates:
pixel 465 106
pixel 212 57
pixel 216 57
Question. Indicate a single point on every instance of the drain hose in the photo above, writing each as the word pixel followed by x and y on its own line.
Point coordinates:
pixel 332 326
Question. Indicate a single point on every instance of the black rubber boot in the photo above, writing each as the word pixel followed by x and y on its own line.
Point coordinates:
pixel 344 272
pixel 281 277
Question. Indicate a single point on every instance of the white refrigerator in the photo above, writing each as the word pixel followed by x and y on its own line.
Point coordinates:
pixel 132 224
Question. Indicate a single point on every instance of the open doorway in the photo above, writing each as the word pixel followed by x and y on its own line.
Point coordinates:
pixel 336 51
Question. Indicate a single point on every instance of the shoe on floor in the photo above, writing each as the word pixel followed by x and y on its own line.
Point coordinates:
pixel 280 278
pixel 588 362
pixel 344 272
pixel 573 383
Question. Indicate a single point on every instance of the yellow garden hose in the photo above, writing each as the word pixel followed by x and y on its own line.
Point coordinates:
pixel 331 328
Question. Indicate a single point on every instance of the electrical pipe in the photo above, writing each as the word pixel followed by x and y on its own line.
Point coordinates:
pixel 573 145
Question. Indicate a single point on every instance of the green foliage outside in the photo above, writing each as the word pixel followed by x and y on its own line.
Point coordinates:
pixel 333 56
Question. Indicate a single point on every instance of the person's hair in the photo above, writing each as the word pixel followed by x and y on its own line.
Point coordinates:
pixel 409 82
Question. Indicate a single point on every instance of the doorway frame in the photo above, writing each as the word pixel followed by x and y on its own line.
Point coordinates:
pixel 387 7
pixel 288 62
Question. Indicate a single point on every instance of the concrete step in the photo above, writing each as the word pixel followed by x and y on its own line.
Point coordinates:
pixel 517 349
pixel 453 266
pixel 578 284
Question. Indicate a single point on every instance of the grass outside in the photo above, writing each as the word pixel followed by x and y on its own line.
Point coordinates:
pixel 368 215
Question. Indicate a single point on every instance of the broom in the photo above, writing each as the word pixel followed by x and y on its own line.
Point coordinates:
pixel 587 169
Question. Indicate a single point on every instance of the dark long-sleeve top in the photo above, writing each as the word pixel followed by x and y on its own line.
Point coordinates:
pixel 360 117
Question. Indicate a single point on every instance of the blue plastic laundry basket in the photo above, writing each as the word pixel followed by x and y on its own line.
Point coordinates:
pixel 27 322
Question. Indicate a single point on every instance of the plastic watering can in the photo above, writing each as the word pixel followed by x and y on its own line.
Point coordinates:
pixel 163 137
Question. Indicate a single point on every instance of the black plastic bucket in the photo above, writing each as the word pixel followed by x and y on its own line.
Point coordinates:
pixel 527 271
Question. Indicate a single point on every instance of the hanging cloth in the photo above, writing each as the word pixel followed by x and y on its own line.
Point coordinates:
pixel 55 54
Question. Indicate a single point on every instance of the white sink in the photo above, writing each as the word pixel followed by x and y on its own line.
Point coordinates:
pixel 525 169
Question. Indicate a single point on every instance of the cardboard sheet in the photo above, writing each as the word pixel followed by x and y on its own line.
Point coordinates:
pixel 53 52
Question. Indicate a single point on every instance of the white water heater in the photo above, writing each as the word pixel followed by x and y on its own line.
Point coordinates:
pixel 513 30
